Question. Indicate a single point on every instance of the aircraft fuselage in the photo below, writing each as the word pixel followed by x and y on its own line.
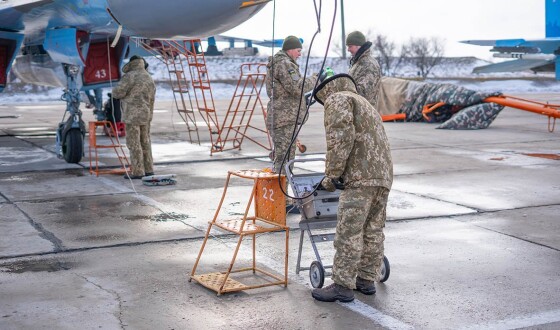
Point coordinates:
pixel 162 19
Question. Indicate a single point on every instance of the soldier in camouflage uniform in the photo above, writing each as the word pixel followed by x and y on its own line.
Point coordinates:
pixel 137 92
pixel 283 87
pixel 364 68
pixel 358 154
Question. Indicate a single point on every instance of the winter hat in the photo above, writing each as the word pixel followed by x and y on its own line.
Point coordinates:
pixel 291 42
pixel 355 38
pixel 136 57
pixel 321 92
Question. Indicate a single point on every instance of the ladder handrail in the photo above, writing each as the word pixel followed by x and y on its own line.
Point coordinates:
pixel 238 120
pixel 169 55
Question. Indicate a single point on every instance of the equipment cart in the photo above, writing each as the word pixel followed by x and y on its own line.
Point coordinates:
pixel 318 213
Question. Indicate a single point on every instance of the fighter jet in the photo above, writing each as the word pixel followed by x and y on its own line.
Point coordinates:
pixel 538 55
pixel 81 44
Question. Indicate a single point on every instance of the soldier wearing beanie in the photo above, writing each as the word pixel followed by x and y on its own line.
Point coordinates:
pixel 358 154
pixel 137 91
pixel 364 68
pixel 283 87
pixel 291 42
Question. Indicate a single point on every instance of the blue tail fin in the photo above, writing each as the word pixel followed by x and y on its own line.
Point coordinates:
pixel 552 15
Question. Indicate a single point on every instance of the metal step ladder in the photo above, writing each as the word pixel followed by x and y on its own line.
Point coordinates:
pixel 237 124
pixel 174 61
pixel 114 143
pixel 200 82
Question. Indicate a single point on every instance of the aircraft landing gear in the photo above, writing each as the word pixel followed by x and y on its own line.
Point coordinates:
pixel 70 133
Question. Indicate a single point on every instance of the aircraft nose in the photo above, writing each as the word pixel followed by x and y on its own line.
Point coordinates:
pixel 166 19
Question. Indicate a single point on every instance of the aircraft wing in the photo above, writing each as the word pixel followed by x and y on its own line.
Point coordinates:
pixel 516 65
pixel 277 43
pixel 16 8
pixel 527 46
pixel 22 4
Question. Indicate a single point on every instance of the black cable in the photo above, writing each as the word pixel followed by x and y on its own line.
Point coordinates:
pixel 297 127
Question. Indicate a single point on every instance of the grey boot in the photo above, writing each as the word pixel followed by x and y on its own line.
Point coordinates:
pixel 365 286
pixel 333 292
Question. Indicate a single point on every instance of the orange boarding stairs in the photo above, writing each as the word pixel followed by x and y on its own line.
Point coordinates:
pixel 200 82
pixel 170 56
pixel 246 99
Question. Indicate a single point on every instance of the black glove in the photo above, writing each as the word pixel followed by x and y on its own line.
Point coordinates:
pixel 329 184
pixel 339 184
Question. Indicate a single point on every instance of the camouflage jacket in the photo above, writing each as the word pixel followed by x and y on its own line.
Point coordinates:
pixel 357 146
pixel 137 92
pixel 366 72
pixel 282 110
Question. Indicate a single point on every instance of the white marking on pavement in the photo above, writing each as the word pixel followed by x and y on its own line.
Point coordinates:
pixel 376 315
pixel 355 306
pixel 521 321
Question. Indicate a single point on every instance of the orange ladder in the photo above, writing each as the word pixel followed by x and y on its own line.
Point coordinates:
pixel 245 100
pixel 200 82
pixel 269 206
pixel 173 60
pixel 94 147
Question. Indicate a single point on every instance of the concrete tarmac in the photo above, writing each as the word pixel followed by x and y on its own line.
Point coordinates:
pixel 473 232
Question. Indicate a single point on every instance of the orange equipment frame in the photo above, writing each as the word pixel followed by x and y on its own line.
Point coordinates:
pixel 552 111
pixel 270 216
pixel 115 145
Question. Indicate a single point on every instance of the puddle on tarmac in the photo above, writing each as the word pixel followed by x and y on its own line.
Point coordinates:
pixel 100 238
pixel 134 217
pixel 20 267
pixel 76 172
pixel 172 216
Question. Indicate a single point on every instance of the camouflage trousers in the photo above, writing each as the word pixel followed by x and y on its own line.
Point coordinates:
pixel 281 138
pixel 359 235
pixel 140 148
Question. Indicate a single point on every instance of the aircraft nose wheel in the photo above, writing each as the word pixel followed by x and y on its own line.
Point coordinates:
pixel 385 270
pixel 316 274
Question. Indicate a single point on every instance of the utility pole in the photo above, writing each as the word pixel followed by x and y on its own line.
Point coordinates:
pixel 343 32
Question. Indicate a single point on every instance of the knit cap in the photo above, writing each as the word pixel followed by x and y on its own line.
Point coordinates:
pixel 355 38
pixel 291 42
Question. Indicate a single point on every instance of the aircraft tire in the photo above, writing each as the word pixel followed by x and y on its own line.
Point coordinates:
pixel 73 146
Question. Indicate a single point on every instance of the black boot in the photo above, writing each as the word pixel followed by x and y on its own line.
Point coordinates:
pixel 332 293
pixel 134 177
pixel 365 286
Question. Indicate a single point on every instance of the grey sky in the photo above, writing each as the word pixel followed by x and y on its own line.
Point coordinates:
pixel 451 20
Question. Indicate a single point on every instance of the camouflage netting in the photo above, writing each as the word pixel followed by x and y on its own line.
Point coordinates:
pixel 463 109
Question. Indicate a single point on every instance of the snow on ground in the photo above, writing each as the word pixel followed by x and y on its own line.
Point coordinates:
pixel 225 71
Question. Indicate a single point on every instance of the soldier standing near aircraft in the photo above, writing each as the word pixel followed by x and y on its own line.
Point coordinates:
pixel 358 154
pixel 137 92
pixel 283 87
pixel 364 68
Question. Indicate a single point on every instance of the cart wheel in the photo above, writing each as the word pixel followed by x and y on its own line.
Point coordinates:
pixel 316 274
pixel 385 270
